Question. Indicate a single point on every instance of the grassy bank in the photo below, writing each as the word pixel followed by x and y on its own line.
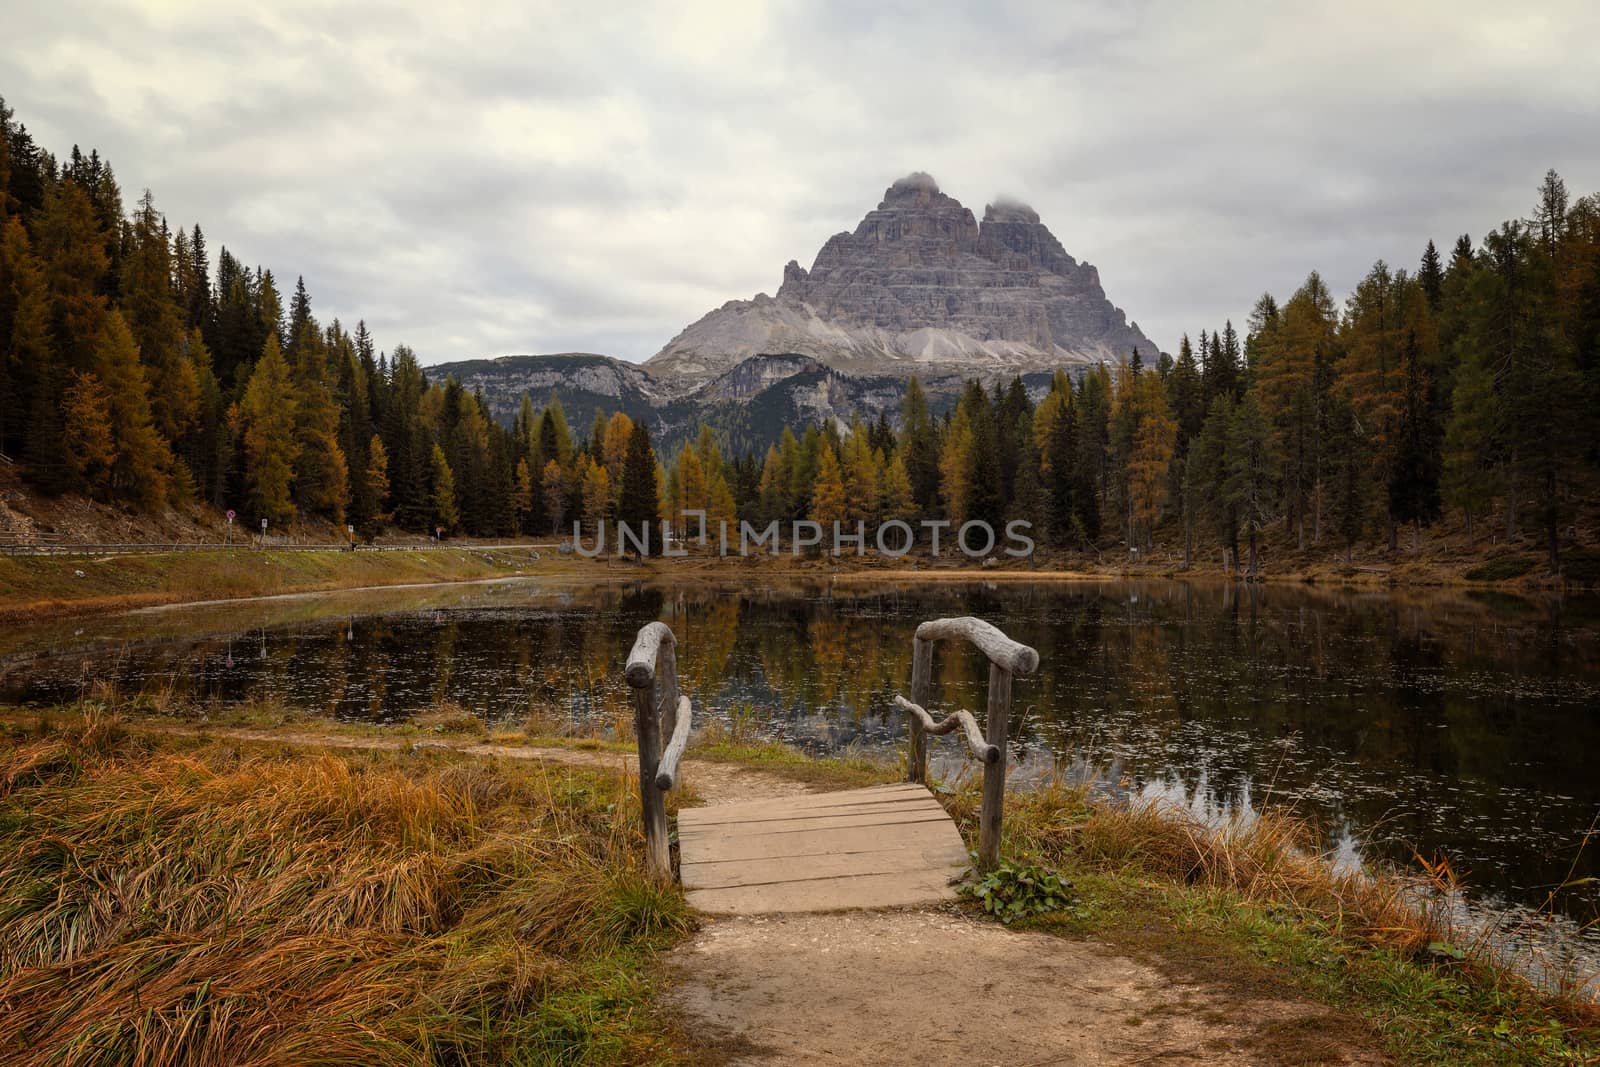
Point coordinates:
pixel 38 586
pixel 174 894
pixel 180 900
pixel 1254 911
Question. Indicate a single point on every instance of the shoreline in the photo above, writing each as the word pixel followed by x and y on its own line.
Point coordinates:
pixel 37 588
pixel 1242 921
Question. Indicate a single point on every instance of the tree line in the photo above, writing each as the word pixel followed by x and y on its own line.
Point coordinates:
pixel 132 372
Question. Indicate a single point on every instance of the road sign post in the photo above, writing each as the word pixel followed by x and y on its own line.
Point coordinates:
pixel 230 526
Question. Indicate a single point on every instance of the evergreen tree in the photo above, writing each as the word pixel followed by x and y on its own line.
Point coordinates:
pixel 1431 275
pixel 921 449
pixel 442 491
pixel 1414 472
pixel 827 496
pixel 91 450
pixel 638 503
pixel 1248 467
pixel 1185 395
pixel 267 425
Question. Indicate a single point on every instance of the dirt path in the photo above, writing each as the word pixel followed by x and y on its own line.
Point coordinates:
pixel 713 783
pixel 929 986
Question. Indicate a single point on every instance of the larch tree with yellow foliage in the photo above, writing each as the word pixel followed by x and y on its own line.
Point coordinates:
pixel 827 495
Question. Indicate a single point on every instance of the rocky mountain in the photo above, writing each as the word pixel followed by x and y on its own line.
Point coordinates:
pixel 748 405
pixel 585 382
pixel 920 286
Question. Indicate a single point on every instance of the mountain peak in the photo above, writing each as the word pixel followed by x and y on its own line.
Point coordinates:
pixel 1005 209
pixel 920 286
pixel 917 188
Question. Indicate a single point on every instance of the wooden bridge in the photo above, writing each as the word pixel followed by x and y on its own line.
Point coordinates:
pixel 886 846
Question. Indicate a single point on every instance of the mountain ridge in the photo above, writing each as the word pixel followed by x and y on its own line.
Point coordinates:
pixel 921 282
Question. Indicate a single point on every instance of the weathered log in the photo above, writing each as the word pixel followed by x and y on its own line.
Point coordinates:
pixel 1013 656
pixel 667 770
pixel 646 725
pixel 994 774
pixel 653 673
pixel 641 670
pixel 921 682
pixel 981 749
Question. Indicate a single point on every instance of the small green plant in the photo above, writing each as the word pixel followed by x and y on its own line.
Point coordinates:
pixel 1011 892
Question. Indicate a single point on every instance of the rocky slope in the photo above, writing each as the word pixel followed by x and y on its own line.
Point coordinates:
pixel 920 286
pixel 585 382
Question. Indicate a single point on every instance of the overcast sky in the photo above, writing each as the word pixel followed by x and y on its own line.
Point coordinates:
pixel 593 177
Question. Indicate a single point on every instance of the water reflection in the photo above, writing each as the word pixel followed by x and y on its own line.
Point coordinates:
pixel 1463 725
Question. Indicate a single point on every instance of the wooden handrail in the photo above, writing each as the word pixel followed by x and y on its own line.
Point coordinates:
pixel 1014 656
pixel 667 770
pixel 981 750
pixel 658 709
pixel 1006 658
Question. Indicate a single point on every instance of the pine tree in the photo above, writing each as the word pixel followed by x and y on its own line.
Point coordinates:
pixel 1414 471
pixel 1062 465
pixel 553 482
pixel 638 504
pixel 861 483
pixel 1248 466
pixel 90 448
pixel 1431 275
pixel 1206 474
pixel 920 447
pixel 1223 375
pixel 144 461
pixel 774 490
pixel 267 425
pixel 29 365
pixel 377 481
pixel 442 493
pixel 1154 446
pixel 1186 396
pixel 1348 473
pixel 955 467
pixel 596 494
pixel 827 496
pixel 898 502
pixel 71 247
pixel 156 321
pixel 1550 216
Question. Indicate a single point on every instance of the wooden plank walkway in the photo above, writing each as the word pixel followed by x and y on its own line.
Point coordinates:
pixel 886 846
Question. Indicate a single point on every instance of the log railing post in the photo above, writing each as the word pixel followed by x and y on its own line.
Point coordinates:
pixel 647 726
pixel 994 774
pixel 921 682
pixel 658 713
pixel 1007 658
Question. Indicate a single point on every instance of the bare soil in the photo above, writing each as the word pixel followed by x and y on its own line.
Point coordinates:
pixel 938 987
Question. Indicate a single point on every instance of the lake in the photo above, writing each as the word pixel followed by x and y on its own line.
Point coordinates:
pixel 1459 724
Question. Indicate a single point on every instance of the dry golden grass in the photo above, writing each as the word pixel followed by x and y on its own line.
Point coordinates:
pixel 203 905
pixel 1271 859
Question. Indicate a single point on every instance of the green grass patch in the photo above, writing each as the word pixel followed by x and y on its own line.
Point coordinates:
pixel 785 761
pixel 34 584
pixel 1500 569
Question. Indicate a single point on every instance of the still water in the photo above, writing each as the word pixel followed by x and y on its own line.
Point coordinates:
pixel 1439 724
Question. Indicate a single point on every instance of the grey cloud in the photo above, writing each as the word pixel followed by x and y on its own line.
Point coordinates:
pixel 527 178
